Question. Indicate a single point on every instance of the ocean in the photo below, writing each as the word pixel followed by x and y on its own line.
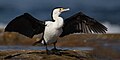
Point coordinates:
pixel 104 11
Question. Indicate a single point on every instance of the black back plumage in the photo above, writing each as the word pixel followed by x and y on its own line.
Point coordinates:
pixel 26 25
pixel 81 23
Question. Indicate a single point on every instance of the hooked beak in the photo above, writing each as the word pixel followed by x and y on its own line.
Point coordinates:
pixel 63 10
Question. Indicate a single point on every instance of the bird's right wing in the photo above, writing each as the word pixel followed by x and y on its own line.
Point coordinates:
pixel 81 23
pixel 26 25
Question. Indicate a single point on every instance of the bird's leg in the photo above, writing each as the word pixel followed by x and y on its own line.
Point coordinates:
pixel 47 51
pixel 54 44
pixel 55 50
pixel 46 47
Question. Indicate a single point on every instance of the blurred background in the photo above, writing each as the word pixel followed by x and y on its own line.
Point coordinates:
pixel 105 11
pixel 103 46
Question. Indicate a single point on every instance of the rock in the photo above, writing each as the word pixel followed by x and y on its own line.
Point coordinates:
pixel 41 55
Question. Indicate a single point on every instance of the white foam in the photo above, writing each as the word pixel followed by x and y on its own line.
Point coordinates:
pixel 112 28
pixel 2 25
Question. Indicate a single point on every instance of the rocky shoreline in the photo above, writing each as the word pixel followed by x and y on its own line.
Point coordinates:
pixel 102 44
pixel 41 55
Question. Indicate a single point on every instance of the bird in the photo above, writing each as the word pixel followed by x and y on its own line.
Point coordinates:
pixel 57 26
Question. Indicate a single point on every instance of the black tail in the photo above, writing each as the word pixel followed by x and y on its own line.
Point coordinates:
pixel 38 42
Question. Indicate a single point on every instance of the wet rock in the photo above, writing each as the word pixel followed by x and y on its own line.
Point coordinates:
pixel 41 55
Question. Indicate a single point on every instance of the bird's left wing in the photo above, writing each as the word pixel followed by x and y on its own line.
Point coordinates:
pixel 26 25
pixel 81 23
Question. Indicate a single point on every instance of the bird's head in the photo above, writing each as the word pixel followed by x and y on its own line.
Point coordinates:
pixel 59 10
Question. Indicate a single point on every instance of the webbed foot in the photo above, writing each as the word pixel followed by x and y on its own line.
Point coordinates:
pixel 56 51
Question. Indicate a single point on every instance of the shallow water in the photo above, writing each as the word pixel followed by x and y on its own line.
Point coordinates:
pixel 41 48
pixel 114 46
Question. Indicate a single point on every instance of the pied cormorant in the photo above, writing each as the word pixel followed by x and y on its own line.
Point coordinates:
pixel 57 27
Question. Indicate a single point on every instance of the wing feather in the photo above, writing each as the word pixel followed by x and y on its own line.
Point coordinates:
pixel 26 25
pixel 81 23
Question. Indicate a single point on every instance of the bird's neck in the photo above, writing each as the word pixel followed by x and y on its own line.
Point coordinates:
pixel 58 20
pixel 56 16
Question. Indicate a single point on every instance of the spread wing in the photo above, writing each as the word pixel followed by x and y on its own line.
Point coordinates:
pixel 81 23
pixel 26 25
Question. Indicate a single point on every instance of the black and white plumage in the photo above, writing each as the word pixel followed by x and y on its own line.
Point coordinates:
pixel 57 27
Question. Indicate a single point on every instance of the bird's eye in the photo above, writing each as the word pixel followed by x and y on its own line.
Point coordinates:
pixel 61 9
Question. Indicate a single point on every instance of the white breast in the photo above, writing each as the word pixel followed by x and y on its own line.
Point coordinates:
pixel 52 31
